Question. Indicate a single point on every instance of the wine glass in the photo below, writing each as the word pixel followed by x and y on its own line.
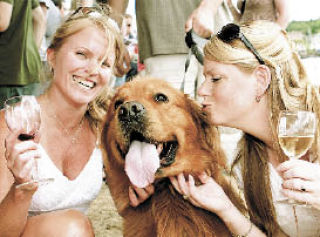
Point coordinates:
pixel 23 113
pixel 296 130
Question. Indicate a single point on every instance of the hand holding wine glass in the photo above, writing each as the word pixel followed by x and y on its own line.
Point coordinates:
pixel 296 131
pixel 22 113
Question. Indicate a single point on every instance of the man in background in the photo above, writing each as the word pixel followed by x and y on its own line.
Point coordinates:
pixel 22 27
pixel 161 35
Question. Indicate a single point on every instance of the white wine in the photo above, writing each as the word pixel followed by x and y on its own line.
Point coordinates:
pixel 295 146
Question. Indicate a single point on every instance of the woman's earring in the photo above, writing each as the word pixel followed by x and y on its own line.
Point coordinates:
pixel 258 98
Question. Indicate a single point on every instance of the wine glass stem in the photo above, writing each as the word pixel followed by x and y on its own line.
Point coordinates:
pixel 35 174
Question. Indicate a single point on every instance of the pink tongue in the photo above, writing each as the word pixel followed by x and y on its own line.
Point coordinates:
pixel 142 162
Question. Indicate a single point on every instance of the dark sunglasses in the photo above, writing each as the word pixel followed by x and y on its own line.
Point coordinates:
pixel 103 10
pixel 231 32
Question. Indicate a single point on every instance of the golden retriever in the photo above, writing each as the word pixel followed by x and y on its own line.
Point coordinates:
pixel 153 131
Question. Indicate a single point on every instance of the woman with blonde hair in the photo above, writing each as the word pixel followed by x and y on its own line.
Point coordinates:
pixel 85 51
pixel 252 73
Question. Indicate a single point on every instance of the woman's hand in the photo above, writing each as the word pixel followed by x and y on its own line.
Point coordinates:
pixel 301 181
pixel 139 195
pixel 209 195
pixel 20 157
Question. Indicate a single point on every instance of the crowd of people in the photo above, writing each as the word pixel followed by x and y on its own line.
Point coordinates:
pixel 251 72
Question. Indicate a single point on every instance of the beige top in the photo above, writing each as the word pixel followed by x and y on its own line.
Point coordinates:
pixel 258 10
pixel 161 23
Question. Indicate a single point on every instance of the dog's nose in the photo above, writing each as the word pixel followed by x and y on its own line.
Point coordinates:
pixel 131 111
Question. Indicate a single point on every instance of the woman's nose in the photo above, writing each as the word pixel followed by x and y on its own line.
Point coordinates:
pixel 202 90
pixel 93 67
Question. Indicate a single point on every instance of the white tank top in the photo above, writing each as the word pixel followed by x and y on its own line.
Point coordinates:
pixel 63 193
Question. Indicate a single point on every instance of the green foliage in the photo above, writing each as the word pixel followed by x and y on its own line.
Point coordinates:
pixel 306 27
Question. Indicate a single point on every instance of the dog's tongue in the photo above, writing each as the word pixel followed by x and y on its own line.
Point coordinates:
pixel 141 163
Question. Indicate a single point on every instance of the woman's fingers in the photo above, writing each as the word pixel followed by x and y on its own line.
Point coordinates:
pixel 10 141
pixel 299 169
pixel 301 197
pixel 25 174
pixel 133 197
pixel 139 195
pixel 298 185
pixel 204 178
pixel 183 185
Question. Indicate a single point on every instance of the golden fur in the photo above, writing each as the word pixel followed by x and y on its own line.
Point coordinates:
pixel 165 213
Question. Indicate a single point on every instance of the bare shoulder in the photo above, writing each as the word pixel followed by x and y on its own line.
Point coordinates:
pixel 6 178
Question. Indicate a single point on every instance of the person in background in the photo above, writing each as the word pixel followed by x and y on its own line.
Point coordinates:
pixel 22 26
pixel 53 21
pixel 131 44
pixel 250 10
pixel 85 51
pixel 161 35
pixel 59 5
pixel 252 73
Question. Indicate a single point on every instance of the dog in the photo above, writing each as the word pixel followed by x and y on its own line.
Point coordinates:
pixel 167 134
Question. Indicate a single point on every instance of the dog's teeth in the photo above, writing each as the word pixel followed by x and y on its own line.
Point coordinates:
pixel 159 147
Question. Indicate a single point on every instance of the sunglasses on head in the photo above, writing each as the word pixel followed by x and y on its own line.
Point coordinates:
pixel 231 32
pixel 91 11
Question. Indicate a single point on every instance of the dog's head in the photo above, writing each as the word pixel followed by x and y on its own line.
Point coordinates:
pixel 157 129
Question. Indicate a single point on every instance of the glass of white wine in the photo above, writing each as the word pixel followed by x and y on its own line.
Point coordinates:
pixel 23 113
pixel 296 130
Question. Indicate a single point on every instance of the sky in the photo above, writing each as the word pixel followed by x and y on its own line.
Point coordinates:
pixel 302 10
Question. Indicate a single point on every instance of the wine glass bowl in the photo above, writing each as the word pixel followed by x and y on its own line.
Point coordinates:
pixel 296 132
pixel 23 113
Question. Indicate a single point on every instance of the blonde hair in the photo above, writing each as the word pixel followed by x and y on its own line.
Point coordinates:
pixel 79 21
pixel 289 89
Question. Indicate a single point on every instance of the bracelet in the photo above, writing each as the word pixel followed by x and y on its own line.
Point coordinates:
pixel 248 232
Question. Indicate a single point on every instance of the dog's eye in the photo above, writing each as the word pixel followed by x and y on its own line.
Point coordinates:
pixel 118 103
pixel 161 98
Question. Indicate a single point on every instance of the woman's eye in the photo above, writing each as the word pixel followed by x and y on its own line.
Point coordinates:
pixel 106 64
pixel 215 79
pixel 82 54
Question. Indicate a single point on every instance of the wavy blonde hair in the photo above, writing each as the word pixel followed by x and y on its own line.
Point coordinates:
pixel 79 21
pixel 289 89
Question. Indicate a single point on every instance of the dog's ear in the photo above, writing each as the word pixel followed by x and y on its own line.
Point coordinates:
pixel 202 121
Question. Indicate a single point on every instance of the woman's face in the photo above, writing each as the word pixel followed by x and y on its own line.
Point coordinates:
pixel 228 93
pixel 81 66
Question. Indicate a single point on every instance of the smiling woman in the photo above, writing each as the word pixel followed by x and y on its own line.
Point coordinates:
pixel 84 53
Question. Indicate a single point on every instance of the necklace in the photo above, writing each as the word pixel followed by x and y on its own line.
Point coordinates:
pixel 68 131
pixel 72 132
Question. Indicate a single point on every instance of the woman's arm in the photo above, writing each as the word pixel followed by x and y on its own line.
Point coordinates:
pixel 14 210
pixel 14 202
pixel 210 196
